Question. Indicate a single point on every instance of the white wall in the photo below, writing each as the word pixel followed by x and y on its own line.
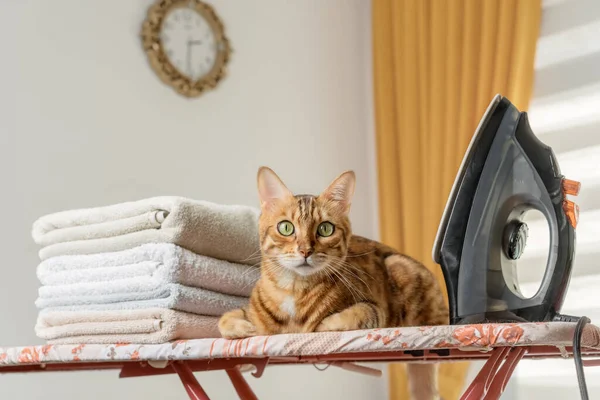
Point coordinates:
pixel 85 122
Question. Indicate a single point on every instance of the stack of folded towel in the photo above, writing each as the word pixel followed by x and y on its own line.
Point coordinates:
pixel 150 271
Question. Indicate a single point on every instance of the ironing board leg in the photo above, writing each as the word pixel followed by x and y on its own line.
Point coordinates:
pixel 483 380
pixel 192 387
pixel 500 380
pixel 495 374
pixel 242 388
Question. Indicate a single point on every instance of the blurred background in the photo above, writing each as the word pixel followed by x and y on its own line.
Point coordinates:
pixel 313 88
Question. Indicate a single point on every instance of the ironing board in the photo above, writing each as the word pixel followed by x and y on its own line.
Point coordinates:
pixel 503 345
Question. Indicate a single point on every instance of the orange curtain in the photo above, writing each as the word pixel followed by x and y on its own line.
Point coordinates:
pixel 437 65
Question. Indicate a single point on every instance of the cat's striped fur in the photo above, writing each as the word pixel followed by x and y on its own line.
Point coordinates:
pixel 311 282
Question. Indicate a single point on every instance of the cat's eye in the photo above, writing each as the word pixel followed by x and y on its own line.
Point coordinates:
pixel 286 228
pixel 325 229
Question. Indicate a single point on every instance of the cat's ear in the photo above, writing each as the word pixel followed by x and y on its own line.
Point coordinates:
pixel 270 188
pixel 341 190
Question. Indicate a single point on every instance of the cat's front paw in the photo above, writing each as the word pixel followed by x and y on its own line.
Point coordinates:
pixel 233 325
pixel 358 316
pixel 338 322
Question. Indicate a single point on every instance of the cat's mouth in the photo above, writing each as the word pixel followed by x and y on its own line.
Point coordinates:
pixel 302 267
pixel 305 269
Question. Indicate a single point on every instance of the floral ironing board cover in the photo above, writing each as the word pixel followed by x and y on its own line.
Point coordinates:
pixel 466 337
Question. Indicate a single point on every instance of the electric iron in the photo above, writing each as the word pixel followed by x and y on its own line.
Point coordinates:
pixel 505 173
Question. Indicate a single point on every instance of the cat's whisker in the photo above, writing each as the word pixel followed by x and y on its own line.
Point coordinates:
pixel 346 270
pixel 361 254
pixel 270 267
pixel 352 273
pixel 359 295
pixel 251 269
pixel 266 267
pixel 356 294
pixel 350 269
pixel 352 266
pixel 253 255
pixel 328 276
pixel 341 279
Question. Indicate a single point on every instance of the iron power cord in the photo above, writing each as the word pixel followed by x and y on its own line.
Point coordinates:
pixel 581 322
pixel 577 356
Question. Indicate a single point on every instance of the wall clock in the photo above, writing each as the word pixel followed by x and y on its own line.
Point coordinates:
pixel 186 45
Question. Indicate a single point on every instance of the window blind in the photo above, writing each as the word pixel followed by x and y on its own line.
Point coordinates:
pixel 565 114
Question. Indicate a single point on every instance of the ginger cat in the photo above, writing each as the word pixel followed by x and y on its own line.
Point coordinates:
pixel 316 276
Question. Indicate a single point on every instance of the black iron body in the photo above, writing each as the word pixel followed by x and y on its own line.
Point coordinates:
pixel 506 172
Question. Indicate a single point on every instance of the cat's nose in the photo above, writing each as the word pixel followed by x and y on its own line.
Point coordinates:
pixel 306 252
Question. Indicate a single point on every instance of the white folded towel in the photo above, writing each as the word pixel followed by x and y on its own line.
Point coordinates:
pixel 145 326
pixel 226 232
pixel 163 262
pixel 135 293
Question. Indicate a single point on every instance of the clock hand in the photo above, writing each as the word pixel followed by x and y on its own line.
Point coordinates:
pixel 189 57
pixel 189 54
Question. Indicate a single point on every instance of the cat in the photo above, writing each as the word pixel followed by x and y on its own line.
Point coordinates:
pixel 317 276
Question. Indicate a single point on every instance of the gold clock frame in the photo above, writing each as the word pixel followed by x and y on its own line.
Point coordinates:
pixel 159 61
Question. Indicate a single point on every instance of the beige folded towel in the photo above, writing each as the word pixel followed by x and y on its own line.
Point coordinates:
pixel 134 294
pixel 153 262
pixel 226 232
pixel 146 326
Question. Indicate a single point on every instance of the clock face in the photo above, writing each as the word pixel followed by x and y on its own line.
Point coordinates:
pixel 189 42
pixel 186 45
